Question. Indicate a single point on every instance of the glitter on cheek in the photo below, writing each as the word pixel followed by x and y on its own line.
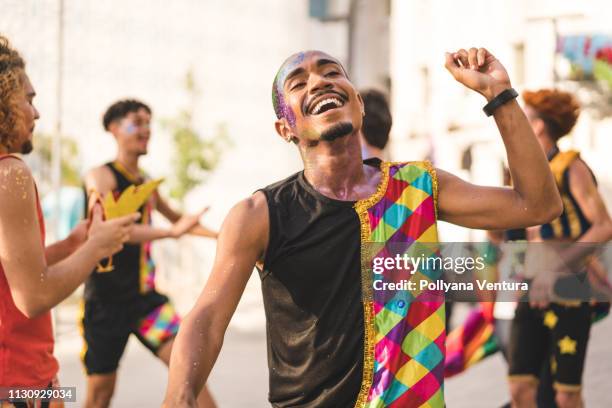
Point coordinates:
pixel 130 128
pixel 284 109
pixel 311 134
pixel 289 114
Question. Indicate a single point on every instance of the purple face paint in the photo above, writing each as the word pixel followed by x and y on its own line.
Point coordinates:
pixel 283 110
pixel 130 128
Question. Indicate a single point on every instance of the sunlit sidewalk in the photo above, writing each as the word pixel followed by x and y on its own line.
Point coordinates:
pixel 240 377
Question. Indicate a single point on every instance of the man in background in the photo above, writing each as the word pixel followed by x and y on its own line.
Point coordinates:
pixel 35 278
pixel 124 301
pixel 377 124
pixel 556 333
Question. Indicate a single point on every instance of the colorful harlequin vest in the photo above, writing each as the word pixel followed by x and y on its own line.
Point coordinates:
pixel 405 333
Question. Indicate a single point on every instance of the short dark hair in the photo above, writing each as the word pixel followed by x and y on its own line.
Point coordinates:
pixel 377 120
pixel 120 110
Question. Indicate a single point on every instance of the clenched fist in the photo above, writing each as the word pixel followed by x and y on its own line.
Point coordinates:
pixel 478 70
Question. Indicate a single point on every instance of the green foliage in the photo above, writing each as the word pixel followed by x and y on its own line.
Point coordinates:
pixel 194 157
pixel 43 148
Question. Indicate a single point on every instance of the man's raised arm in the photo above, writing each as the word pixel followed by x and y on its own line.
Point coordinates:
pixel 241 243
pixel 534 198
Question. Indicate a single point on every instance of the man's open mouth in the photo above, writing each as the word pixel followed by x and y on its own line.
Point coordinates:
pixel 326 103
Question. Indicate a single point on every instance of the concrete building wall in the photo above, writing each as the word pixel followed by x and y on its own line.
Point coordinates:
pixel 438 118
pixel 143 49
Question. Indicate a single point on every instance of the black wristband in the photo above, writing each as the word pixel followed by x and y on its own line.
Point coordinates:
pixel 499 100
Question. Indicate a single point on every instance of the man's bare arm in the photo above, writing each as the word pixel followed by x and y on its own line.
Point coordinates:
pixel 58 251
pixel 36 287
pixel 574 257
pixel 203 231
pixel 164 209
pixel 534 198
pixel 101 181
pixel 584 190
pixel 242 242
pixel 173 216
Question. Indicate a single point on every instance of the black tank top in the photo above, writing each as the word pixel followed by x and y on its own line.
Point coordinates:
pixel 311 284
pixel 123 282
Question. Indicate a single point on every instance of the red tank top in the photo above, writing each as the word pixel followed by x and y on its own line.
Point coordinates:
pixel 26 345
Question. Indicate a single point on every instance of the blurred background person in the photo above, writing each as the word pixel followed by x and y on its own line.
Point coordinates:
pixel 124 300
pixel 377 124
pixel 557 333
pixel 35 278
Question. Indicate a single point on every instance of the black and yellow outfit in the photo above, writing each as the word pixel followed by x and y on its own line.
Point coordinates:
pixel 124 301
pixel 557 335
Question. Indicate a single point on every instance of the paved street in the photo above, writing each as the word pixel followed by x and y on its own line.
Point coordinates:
pixel 240 378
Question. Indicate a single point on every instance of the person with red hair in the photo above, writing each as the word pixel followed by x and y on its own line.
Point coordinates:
pixel 557 333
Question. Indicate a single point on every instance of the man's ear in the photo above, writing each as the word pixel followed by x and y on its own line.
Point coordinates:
pixel 113 128
pixel 539 127
pixel 360 99
pixel 284 130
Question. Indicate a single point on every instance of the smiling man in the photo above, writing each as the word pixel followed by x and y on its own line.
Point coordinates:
pixel 332 340
pixel 124 301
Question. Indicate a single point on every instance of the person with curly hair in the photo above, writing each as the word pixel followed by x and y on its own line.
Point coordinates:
pixel 33 279
pixel 556 333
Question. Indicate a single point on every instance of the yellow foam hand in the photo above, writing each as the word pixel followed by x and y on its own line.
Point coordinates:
pixel 130 200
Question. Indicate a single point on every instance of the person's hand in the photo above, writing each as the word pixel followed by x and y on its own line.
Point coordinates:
pixel 186 223
pixel 541 291
pixel 109 236
pixel 478 70
pixel 547 262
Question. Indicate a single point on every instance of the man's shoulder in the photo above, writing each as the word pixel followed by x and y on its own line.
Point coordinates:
pixel 411 169
pixel 252 211
pixel 415 163
pixel 14 173
pixel 99 171
pixel 100 177
pixel 9 162
pixel 281 185
pixel 17 183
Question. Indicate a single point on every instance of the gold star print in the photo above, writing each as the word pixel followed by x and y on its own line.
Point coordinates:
pixel 567 345
pixel 550 319
pixel 553 365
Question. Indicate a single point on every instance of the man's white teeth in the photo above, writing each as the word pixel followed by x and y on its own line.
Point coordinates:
pixel 324 102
